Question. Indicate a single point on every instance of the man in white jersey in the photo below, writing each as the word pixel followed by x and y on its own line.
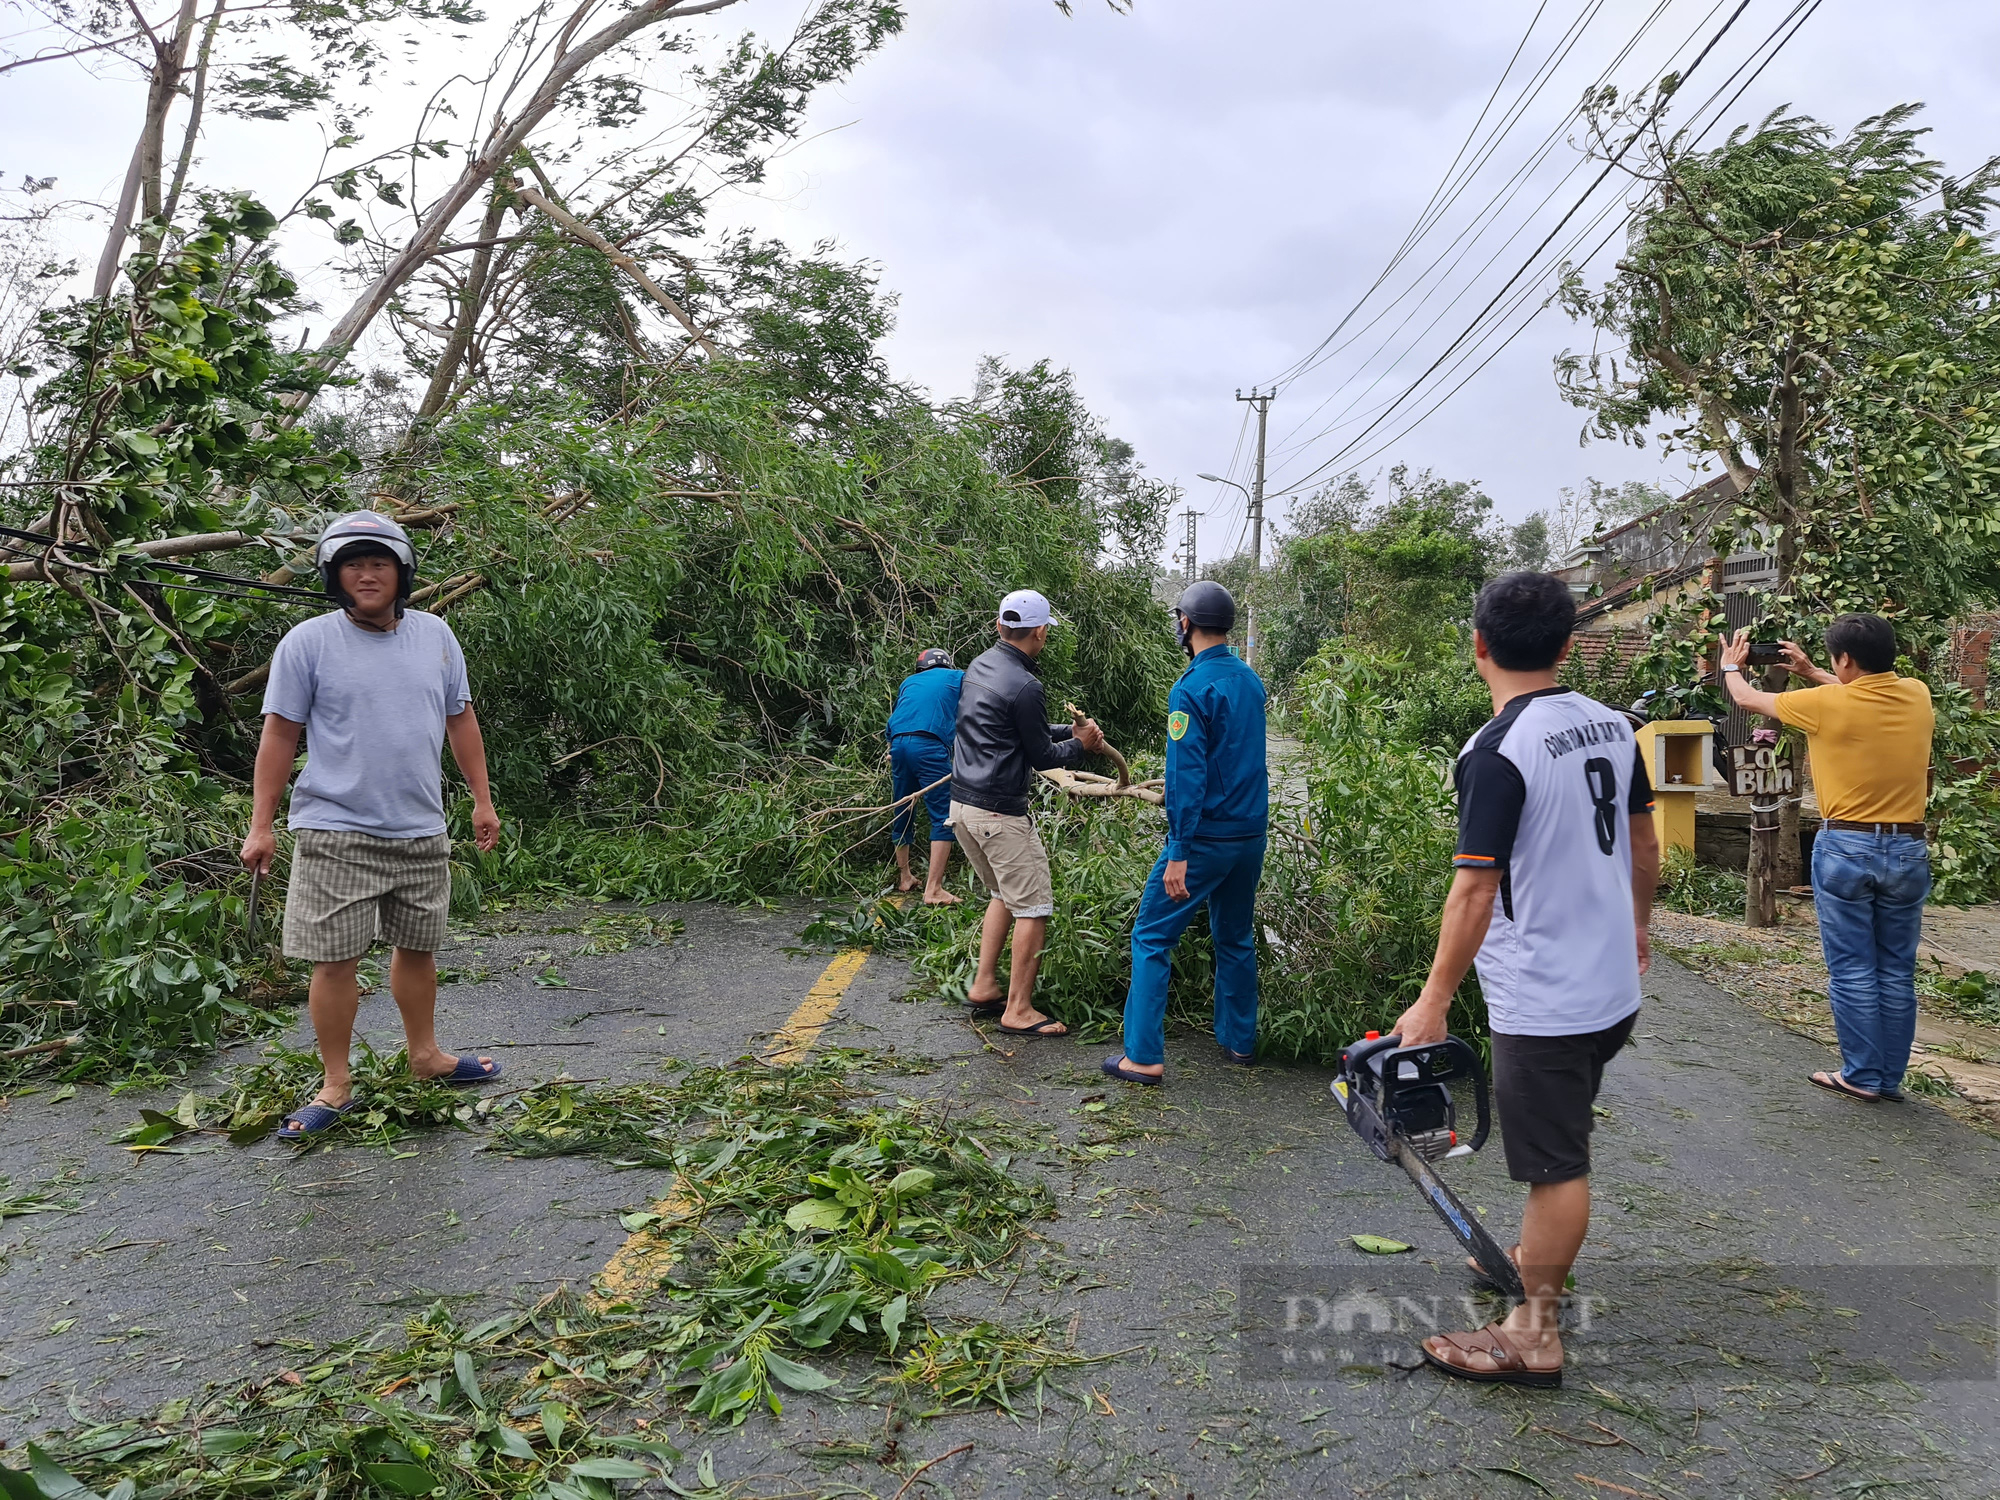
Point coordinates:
pixel 1552 893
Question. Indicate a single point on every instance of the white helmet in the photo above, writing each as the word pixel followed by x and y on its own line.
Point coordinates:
pixel 364 526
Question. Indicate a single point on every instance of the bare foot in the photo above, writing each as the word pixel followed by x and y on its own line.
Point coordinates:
pixel 905 884
pixel 1026 1020
pixel 972 998
pixel 942 898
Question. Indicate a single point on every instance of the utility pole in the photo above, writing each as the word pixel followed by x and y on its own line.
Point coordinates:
pixel 1187 552
pixel 1262 401
pixel 1263 404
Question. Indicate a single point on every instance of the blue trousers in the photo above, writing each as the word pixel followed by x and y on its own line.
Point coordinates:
pixel 917 760
pixel 1224 873
pixel 1869 889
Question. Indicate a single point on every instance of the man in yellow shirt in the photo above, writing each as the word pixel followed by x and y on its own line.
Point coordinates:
pixel 1868 732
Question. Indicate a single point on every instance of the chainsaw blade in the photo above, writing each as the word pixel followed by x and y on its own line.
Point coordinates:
pixel 1494 1263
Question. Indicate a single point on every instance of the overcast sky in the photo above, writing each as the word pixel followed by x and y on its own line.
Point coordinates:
pixel 1185 201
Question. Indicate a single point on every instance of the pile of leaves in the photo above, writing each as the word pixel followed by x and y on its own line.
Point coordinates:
pixel 255 1099
pixel 810 1223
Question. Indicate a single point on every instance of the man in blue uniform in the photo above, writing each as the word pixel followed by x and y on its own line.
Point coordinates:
pixel 920 732
pixel 1218 811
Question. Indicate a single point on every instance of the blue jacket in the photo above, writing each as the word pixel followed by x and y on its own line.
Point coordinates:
pixel 1217 787
pixel 927 703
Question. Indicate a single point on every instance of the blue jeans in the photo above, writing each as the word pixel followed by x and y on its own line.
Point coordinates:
pixel 1224 873
pixel 917 760
pixel 1869 890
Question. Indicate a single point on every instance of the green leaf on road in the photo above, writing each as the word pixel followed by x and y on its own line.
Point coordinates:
pixel 609 1468
pixel 1375 1244
pixel 908 1184
pixel 799 1377
pixel 816 1213
pixel 461 1366
pixel 401 1479
pixel 892 1320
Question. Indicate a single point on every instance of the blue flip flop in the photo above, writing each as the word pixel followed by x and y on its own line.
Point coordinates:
pixel 1114 1067
pixel 468 1072
pixel 311 1119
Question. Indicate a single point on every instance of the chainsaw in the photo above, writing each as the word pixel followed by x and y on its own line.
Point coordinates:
pixel 1398 1099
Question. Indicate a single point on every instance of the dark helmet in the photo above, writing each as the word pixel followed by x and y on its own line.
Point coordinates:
pixel 933 656
pixel 376 532
pixel 1207 605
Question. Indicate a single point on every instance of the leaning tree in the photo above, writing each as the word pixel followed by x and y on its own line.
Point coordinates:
pixel 1819 316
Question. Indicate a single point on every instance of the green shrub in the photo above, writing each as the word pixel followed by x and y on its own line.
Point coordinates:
pixel 1354 882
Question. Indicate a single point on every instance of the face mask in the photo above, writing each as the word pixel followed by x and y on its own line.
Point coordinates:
pixel 1184 633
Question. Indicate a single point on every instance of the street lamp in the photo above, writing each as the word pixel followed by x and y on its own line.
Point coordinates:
pixel 1250 624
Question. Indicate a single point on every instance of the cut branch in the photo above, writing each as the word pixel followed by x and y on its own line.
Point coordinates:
pixel 173 546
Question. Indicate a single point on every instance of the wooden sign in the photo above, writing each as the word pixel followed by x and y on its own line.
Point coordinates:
pixel 1760 771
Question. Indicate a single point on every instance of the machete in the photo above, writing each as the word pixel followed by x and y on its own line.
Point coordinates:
pixel 1398 1099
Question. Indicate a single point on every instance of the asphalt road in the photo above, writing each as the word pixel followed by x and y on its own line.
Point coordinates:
pixel 1769 1304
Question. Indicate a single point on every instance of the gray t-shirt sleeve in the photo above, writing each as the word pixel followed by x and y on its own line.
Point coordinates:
pixel 457 687
pixel 288 692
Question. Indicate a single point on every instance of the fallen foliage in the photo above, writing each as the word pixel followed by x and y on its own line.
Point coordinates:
pixel 812 1218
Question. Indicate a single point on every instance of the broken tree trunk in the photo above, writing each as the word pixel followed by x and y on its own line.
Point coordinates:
pixel 579 230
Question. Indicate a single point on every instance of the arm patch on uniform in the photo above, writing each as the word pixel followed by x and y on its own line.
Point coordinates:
pixel 1177 723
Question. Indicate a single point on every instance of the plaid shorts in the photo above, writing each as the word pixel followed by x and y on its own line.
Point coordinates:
pixel 347 889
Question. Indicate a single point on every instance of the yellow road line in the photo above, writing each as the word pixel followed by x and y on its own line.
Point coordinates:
pixel 638 1264
pixel 797 1036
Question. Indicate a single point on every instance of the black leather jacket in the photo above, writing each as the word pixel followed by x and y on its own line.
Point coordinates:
pixel 1004 734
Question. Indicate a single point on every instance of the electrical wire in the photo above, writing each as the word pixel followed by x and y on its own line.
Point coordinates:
pixel 1427 281
pixel 1415 231
pixel 1802 11
pixel 1512 281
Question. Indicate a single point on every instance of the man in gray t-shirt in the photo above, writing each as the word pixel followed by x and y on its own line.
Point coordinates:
pixel 377 689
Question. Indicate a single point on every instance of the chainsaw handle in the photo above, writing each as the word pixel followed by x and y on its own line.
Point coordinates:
pixel 1459 1050
pixel 1352 1059
pixel 1482 1101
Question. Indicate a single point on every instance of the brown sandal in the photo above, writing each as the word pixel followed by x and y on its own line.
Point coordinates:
pixel 1445 1350
pixel 1836 1083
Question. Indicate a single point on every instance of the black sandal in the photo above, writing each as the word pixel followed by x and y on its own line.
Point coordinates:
pixel 1040 1028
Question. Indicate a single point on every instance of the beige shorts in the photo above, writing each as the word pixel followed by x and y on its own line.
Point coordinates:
pixel 1008 854
pixel 347 889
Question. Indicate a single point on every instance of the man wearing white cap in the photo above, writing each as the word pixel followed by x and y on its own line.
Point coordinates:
pixel 377 690
pixel 1003 737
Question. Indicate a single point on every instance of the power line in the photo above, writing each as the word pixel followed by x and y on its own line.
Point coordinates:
pixel 1475 231
pixel 1776 45
pixel 1415 230
pixel 1609 167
